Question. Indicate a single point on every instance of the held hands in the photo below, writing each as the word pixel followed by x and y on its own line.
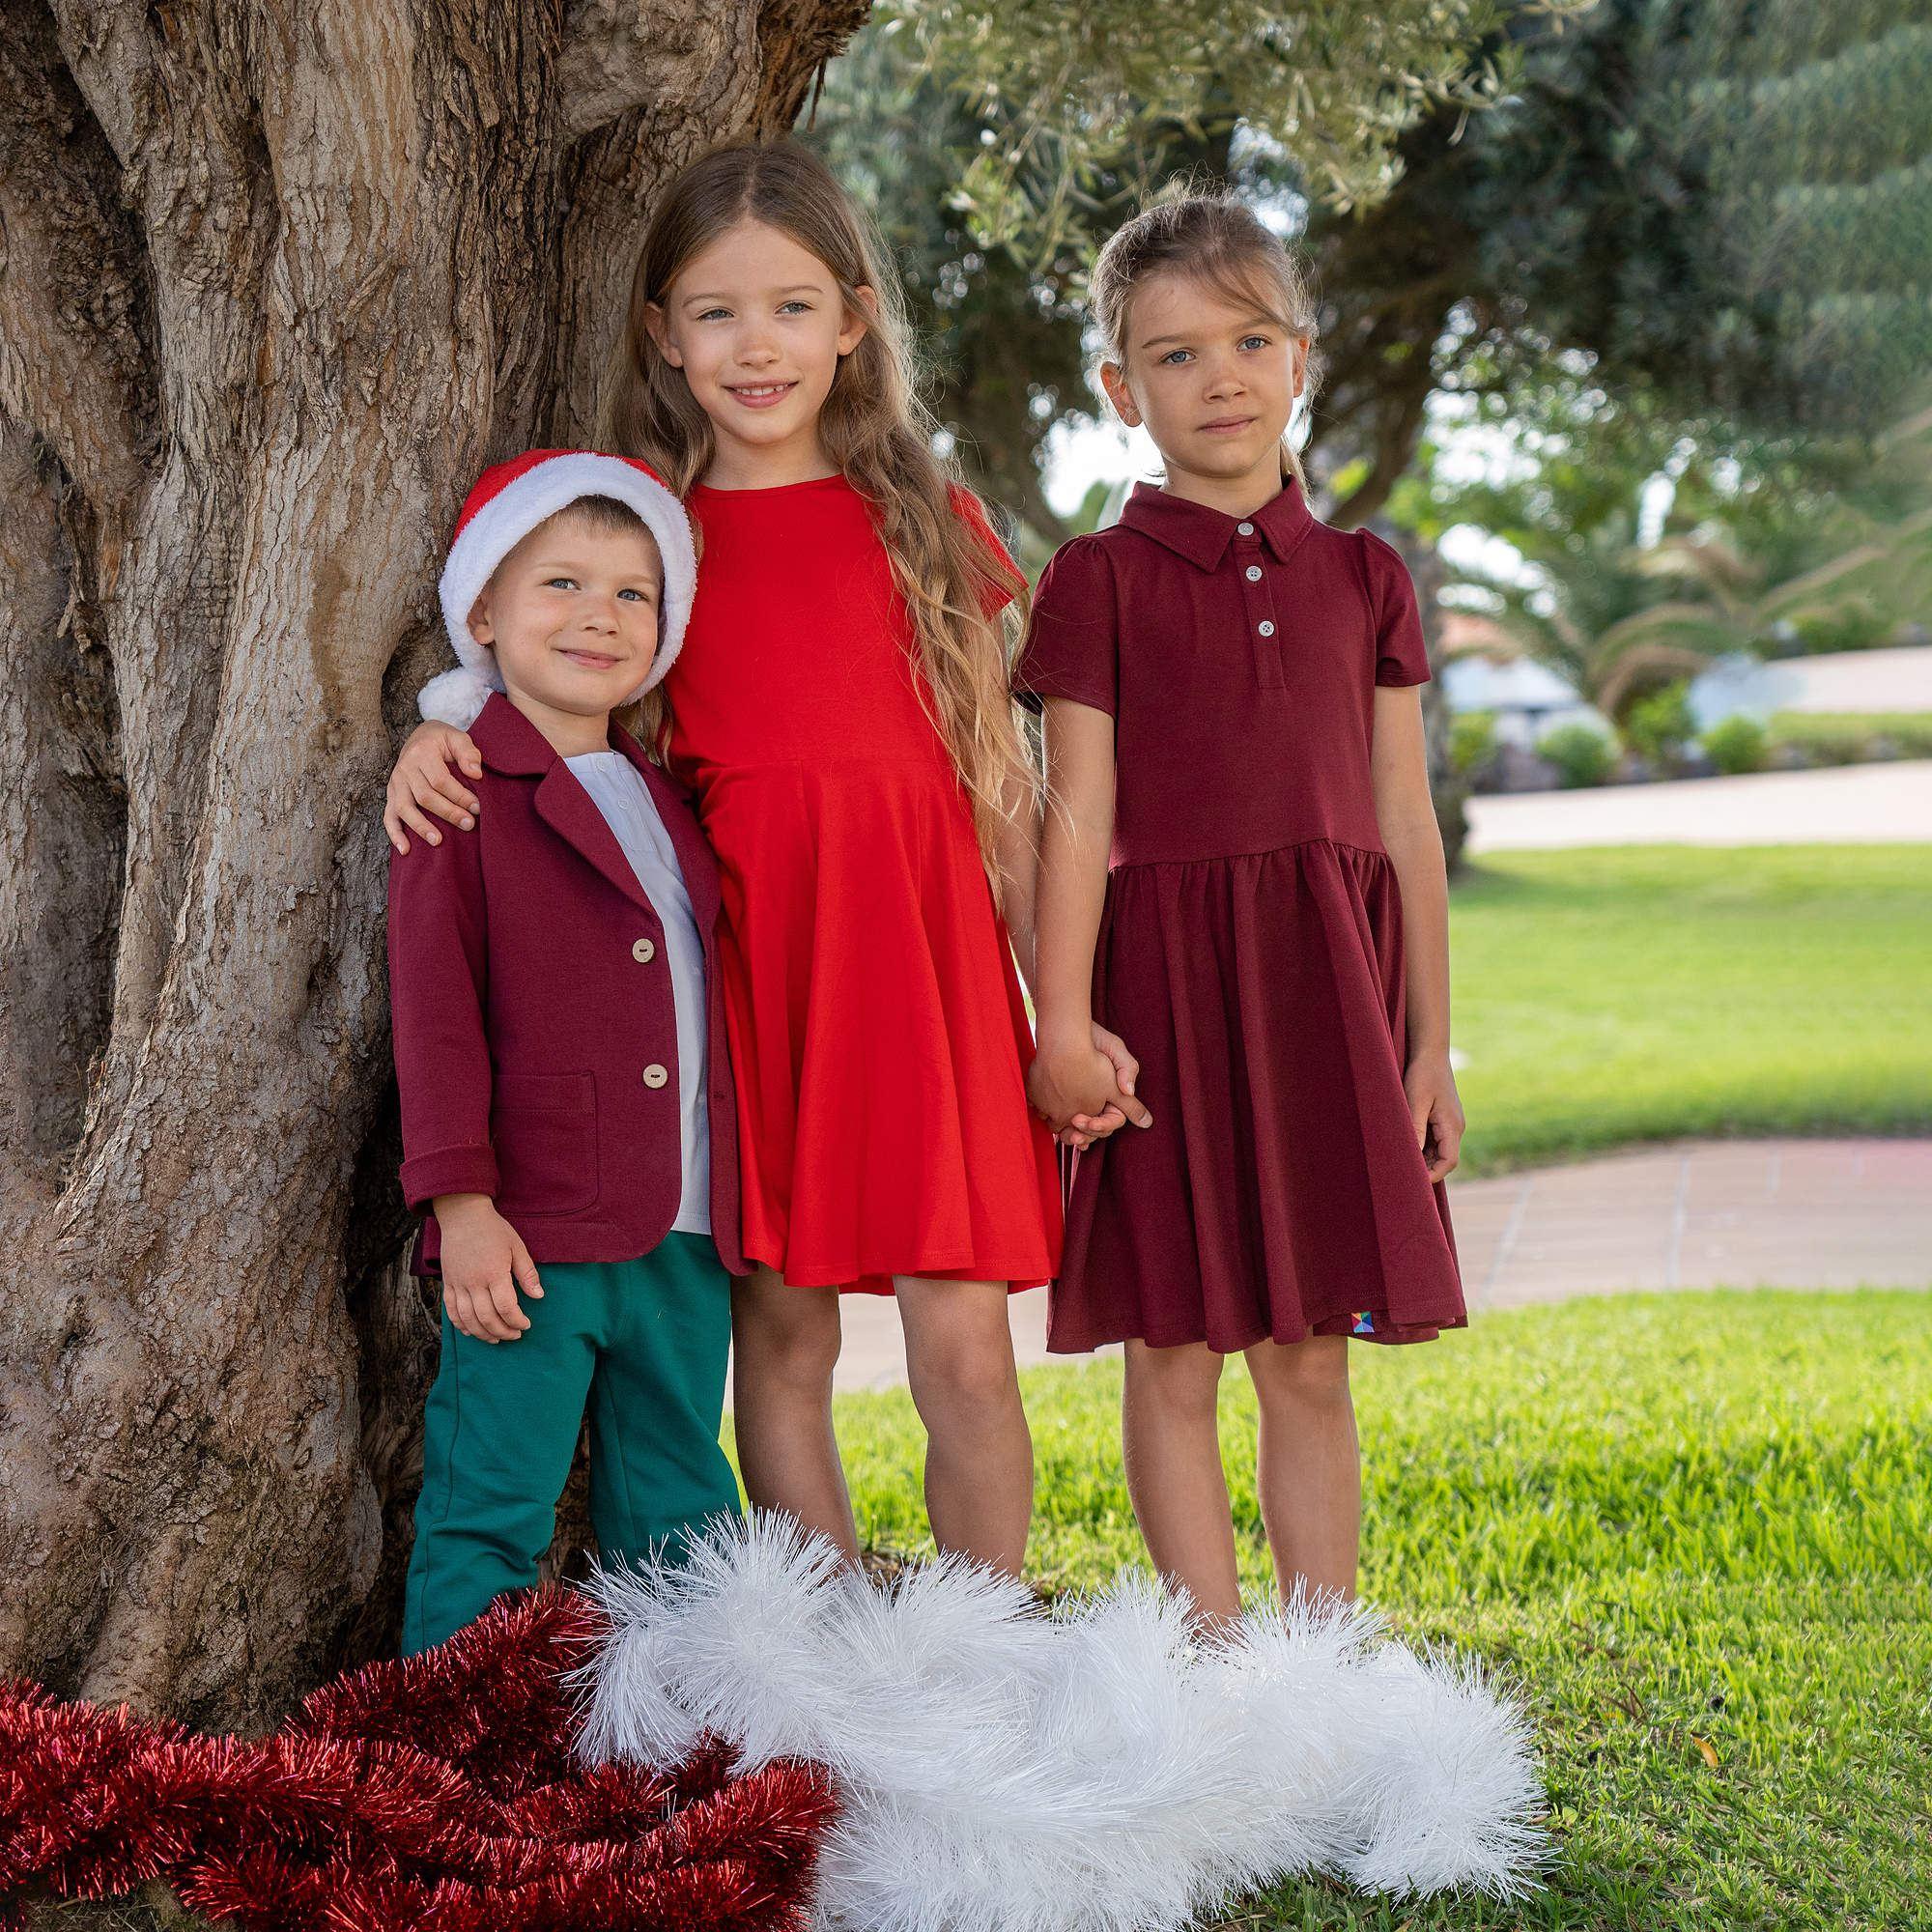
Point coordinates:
pixel 484 1262
pixel 1084 1088
pixel 423 781
pixel 1436 1110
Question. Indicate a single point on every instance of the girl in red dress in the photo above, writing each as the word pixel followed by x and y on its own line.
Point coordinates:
pixel 841 709
pixel 1243 875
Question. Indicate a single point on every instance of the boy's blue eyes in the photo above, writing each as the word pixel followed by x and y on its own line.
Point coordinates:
pixel 570 583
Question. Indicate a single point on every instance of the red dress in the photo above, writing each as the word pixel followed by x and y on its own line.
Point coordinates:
pixel 1250 950
pixel 873 1013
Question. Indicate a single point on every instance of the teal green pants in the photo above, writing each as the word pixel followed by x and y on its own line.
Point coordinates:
pixel 638 1345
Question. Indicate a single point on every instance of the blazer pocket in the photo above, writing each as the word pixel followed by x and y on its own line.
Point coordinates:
pixel 545 1130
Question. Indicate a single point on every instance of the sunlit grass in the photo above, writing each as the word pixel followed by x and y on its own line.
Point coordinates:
pixel 1609 996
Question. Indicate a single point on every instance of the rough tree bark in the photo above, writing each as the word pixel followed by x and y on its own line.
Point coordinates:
pixel 275 282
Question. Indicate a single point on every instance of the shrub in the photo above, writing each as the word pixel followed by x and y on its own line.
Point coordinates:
pixel 1661 724
pixel 1848 737
pixel 1472 741
pixel 1736 744
pixel 1847 627
pixel 1580 752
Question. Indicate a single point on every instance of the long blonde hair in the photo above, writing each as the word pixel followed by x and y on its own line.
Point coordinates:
pixel 1217 241
pixel 874 427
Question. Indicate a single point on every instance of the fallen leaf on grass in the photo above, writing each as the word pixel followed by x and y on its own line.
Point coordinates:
pixel 1704 1744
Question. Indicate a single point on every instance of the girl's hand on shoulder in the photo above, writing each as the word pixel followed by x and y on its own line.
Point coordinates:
pixel 1436 1110
pixel 423 782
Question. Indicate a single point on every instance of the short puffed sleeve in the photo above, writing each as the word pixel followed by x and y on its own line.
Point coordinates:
pixel 1004 576
pixel 1073 646
pixel 1401 657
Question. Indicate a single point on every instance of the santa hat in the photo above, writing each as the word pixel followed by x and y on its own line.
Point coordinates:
pixel 510 499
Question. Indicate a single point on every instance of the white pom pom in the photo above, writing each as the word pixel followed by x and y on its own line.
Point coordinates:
pixel 455 697
pixel 1445 1787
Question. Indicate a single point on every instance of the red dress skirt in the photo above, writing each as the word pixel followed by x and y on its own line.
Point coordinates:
pixel 877 1032
pixel 1250 952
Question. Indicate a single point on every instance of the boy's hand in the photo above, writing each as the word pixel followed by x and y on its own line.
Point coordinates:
pixel 1436 1110
pixel 423 781
pixel 484 1262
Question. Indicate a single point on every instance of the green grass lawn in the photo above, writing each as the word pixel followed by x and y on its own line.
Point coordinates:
pixel 1680 1522
pixel 1642 992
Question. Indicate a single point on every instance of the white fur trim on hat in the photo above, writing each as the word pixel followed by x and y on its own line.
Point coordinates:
pixel 505 519
pixel 455 696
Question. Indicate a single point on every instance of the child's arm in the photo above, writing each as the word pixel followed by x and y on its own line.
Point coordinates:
pixel 1073 1075
pixel 423 781
pixel 1019 897
pixel 437 974
pixel 1017 849
pixel 1405 815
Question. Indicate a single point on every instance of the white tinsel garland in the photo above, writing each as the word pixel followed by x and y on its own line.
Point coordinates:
pixel 1098 1768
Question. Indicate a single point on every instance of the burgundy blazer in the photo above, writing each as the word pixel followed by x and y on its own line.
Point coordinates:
pixel 531 1004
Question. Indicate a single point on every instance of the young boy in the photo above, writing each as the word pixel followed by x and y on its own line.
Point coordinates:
pixel 568 1122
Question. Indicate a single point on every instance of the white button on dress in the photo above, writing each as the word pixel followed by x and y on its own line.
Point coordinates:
pixel 1254 573
pixel 1265 627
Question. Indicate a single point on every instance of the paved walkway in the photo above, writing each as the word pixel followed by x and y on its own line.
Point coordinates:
pixel 1849 804
pixel 1780 1213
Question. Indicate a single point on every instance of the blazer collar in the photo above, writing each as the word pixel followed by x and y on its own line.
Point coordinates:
pixel 509 742
pixel 1201 535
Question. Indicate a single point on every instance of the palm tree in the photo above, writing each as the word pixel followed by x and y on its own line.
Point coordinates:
pixel 1821 545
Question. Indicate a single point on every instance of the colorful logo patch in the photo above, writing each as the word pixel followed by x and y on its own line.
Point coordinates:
pixel 1365 1323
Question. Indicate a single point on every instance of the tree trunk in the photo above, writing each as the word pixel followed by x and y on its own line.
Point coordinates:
pixel 275 282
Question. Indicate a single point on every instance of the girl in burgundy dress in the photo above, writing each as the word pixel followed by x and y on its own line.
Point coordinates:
pixel 1241 875
pixel 840 707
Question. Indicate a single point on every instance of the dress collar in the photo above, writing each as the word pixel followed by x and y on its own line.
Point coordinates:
pixel 1201 535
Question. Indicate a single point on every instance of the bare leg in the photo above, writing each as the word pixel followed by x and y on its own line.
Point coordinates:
pixel 784 1346
pixel 979 1454
pixel 1172 1444
pixel 1311 1471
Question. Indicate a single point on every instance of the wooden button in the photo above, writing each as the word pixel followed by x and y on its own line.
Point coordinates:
pixel 655 1075
pixel 644 951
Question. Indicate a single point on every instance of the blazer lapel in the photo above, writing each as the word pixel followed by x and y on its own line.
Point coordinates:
pixel 569 810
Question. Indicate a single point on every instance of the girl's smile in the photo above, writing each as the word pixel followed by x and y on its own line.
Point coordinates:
pixel 759 395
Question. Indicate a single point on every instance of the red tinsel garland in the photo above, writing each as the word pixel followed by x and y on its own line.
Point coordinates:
pixel 436 1793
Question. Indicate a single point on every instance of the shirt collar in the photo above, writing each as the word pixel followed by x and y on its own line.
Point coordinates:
pixel 1201 535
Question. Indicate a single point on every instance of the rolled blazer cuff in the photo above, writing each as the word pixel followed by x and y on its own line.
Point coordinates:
pixel 451 1170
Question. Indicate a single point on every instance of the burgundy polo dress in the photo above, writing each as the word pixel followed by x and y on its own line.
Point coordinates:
pixel 1250 950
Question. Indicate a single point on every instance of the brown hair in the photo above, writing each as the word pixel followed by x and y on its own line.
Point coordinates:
pixel 1217 241
pixel 874 427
